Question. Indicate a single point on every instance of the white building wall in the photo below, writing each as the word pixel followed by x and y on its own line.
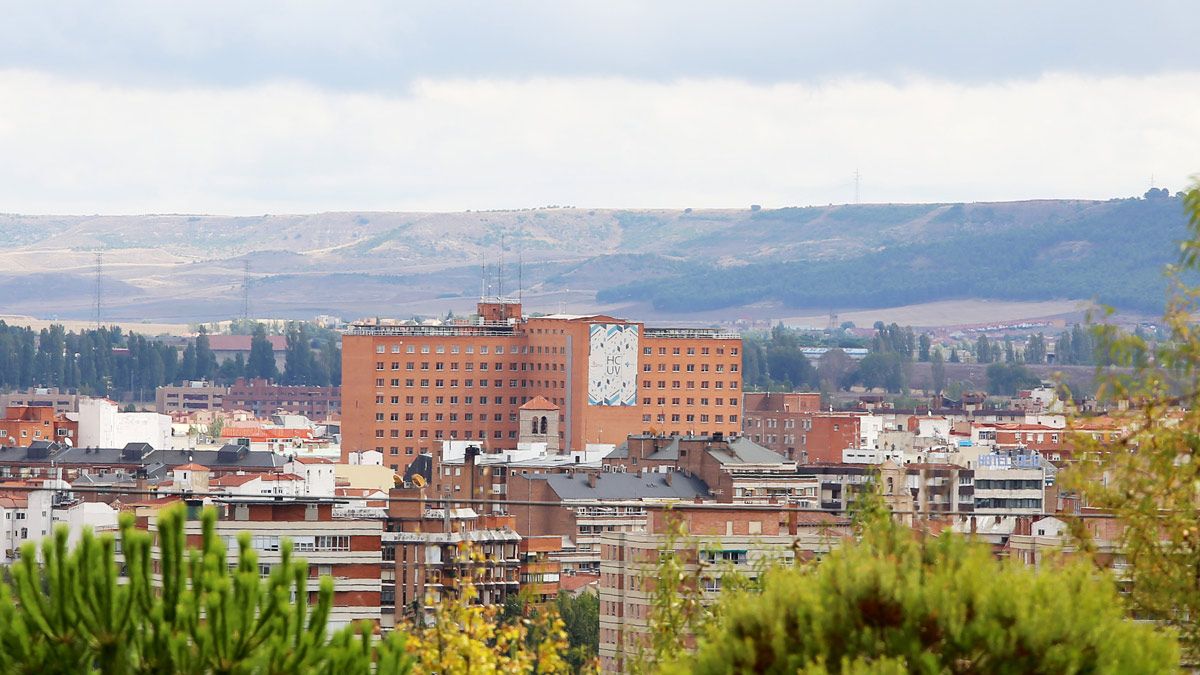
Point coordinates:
pixel 102 425
pixel 100 517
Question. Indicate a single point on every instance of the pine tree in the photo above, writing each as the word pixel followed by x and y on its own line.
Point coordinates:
pixel 899 602
pixel 192 614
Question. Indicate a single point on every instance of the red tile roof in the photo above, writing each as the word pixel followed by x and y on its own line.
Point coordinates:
pixel 539 403
pixel 241 343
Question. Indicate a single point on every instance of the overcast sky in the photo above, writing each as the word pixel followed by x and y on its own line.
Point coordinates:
pixel 254 107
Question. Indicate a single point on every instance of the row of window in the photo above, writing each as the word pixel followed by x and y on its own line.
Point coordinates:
pixel 689 367
pixel 539 349
pixel 772 423
pixel 470 400
pixel 441 384
pixel 788 439
pixel 470 365
pixel 691 384
pixel 300 543
pixel 704 400
pixel 441 417
pixel 719 419
pixel 470 349
pixel 440 434
pixel 689 351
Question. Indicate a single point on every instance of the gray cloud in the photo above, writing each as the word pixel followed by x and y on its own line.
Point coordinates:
pixel 386 45
pixel 78 147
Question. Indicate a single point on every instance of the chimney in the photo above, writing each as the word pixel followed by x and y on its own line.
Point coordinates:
pixel 592 477
pixel 667 478
pixel 792 525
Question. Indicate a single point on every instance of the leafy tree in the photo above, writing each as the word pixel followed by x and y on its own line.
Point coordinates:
pixel 1035 350
pixel 188 366
pixel 466 637
pixel 206 361
pixel 777 361
pixel 232 369
pixel 900 602
pixel 262 355
pixel 883 371
pixel 1005 379
pixel 836 370
pixel 954 356
pixel 1147 478
pixel 983 350
pixel 937 372
pixel 299 365
pixel 581 620
pixel 924 344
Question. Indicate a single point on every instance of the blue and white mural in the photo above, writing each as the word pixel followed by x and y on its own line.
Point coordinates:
pixel 612 364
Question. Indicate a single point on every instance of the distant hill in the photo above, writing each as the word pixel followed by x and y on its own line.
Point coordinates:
pixel 669 262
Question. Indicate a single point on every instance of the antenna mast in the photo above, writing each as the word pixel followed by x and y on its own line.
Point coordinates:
pixel 857 180
pixel 520 265
pixel 500 272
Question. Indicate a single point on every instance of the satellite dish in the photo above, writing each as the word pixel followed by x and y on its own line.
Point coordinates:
pixel 418 480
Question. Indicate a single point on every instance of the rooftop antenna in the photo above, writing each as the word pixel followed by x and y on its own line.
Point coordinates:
pixel 500 272
pixel 99 284
pixel 520 265
pixel 482 279
pixel 246 289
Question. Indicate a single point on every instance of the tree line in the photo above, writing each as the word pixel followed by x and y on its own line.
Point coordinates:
pixel 108 361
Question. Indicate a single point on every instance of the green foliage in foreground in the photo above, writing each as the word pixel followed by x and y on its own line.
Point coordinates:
pixel 71 614
pixel 897 603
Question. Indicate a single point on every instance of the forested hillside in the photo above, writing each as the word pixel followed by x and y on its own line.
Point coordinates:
pixel 1113 252
pixel 642 263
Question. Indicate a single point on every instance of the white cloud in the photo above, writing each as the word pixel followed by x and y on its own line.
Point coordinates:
pixel 76 147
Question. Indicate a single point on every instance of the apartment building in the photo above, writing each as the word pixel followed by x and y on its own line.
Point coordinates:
pixel 189 397
pixel 540 571
pixel 25 515
pixel 734 469
pixel 264 399
pixel 432 549
pixel 61 400
pixel 580 508
pixel 23 425
pixel 346 549
pixel 406 386
pixel 1010 483
pixel 136 465
pixel 794 425
pixel 720 540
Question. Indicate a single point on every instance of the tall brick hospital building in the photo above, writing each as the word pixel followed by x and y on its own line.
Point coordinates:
pixel 408 387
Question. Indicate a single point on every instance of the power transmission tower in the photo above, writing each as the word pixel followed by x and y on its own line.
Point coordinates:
pixel 99 285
